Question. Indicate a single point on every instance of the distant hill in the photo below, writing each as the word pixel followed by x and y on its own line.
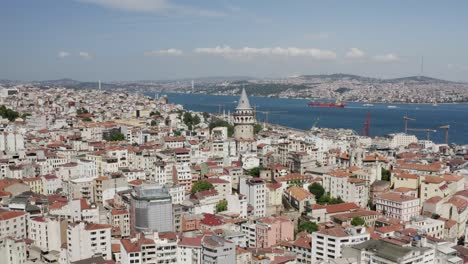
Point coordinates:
pixel 342 76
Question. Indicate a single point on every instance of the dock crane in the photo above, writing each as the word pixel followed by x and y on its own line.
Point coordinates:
pixel 407 118
pixel 267 113
pixel 427 130
pixel 446 127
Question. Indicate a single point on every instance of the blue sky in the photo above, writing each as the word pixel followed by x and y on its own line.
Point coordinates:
pixel 167 39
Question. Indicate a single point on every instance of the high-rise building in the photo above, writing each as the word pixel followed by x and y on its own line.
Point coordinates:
pixel 151 209
pixel 244 118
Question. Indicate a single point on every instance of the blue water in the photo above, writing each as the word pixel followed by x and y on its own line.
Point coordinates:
pixel 384 120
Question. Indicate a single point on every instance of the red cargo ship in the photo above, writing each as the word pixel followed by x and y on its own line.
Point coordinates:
pixel 338 104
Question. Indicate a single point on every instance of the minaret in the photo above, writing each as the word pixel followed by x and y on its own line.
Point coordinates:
pixel 244 118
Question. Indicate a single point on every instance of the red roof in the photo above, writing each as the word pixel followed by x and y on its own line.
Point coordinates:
pixel 336 208
pixel 93 226
pixel 211 220
pixel 5 215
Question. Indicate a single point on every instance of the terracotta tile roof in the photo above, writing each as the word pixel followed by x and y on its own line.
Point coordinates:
pixel 403 189
pixel 118 212
pixel 191 241
pixel 407 176
pixel 434 199
pixel 115 248
pixel 452 177
pixel 335 208
pixel 93 226
pixel 388 229
pixel 216 181
pixel 203 194
pixel 211 220
pixel 5 215
pixel 458 202
pixel 337 231
pixel 340 173
pixel 355 180
pixel 130 246
pixel 303 241
pixel 434 167
pixel 293 176
pixel 396 197
pixel 299 193
pixel 433 179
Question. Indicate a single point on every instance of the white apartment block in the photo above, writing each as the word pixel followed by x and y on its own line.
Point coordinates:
pixel 12 223
pixel 12 251
pixel 47 233
pixel 255 190
pixel 328 243
pixel 341 183
pixel 397 206
pixel 88 240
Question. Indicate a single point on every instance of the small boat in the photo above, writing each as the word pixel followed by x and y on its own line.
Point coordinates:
pixel 367 105
pixel 392 106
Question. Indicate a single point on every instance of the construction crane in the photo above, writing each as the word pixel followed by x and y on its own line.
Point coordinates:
pixel 446 127
pixel 427 130
pixel 316 122
pixel 407 118
pixel 267 113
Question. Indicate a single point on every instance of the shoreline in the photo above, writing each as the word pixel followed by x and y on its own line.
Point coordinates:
pixel 330 99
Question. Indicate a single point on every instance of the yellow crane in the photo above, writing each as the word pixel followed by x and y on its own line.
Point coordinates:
pixel 427 130
pixel 407 118
pixel 446 127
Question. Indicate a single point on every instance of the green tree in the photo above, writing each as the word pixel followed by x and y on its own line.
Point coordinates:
pixel 200 186
pixel 309 227
pixel 435 216
pixel 385 175
pixel 257 128
pixel 87 119
pixel 117 136
pixel 358 221
pixel 221 206
pixel 154 123
pixel 81 110
pixel 205 115
pixel 155 113
pixel 255 172
pixel 8 113
pixel 317 190
pixel 328 199
pixel 222 123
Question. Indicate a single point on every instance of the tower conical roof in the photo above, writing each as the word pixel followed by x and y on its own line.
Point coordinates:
pixel 243 101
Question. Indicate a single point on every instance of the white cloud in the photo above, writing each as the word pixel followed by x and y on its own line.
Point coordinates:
pixel 355 53
pixel 63 54
pixel 85 55
pixel 229 52
pixel 152 6
pixel 390 57
pixel 172 52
